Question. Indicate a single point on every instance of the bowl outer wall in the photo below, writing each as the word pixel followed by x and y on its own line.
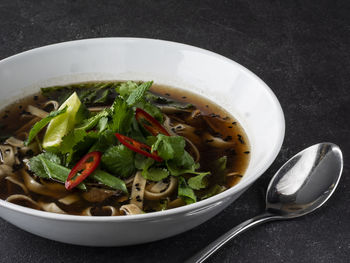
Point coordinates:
pixel 179 65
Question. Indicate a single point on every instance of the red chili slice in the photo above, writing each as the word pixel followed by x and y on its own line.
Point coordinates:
pixel 138 147
pixel 83 169
pixel 154 128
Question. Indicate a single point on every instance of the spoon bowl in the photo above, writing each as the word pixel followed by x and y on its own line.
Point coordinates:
pixel 306 181
pixel 300 186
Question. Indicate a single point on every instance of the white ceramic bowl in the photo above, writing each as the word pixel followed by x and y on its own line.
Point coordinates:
pixel 213 76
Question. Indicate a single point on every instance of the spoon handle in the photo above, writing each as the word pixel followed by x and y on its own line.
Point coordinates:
pixel 206 252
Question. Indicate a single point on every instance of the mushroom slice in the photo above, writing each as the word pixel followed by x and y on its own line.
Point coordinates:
pixel 37 112
pixel 95 194
pixel 131 209
pixel 176 203
pixel 23 200
pixel 138 190
pixel 51 207
pixel 155 193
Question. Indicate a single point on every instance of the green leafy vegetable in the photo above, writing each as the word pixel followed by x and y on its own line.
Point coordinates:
pixel 105 140
pixel 102 124
pixel 199 181
pixel 126 88
pixel 109 180
pixel 122 116
pixel 185 192
pixel 139 93
pixel 91 122
pixel 169 147
pixel 42 123
pixel 47 165
pixel 76 143
pixel 119 160
pixel 181 165
pixel 155 173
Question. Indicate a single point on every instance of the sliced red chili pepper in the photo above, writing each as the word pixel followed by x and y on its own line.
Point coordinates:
pixel 150 123
pixel 138 147
pixel 83 169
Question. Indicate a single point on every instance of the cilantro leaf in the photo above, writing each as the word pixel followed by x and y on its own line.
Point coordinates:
pixel 119 160
pixel 199 181
pixel 142 162
pixel 105 140
pixel 169 147
pixel 185 192
pixel 42 123
pixel 126 88
pixel 122 116
pixel 181 165
pixel 138 94
pixel 155 173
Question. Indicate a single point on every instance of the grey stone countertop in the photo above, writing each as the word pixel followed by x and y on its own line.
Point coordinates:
pixel 299 48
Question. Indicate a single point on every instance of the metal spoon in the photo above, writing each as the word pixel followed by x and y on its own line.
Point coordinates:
pixel 299 187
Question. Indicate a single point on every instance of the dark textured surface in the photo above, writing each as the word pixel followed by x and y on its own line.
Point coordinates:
pixel 299 48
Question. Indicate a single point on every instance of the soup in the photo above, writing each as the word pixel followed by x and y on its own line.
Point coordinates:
pixel 117 148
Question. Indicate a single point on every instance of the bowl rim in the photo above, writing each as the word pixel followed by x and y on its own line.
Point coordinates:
pixel 179 210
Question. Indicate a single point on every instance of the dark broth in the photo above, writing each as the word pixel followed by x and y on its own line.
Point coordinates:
pixel 226 127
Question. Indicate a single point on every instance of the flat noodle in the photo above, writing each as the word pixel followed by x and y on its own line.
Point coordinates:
pixel 15 142
pixel 107 210
pixel 20 199
pixel 131 209
pixel 112 210
pixel 38 188
pixel 69 199
pixel 13 178
pixel 5 170
pixel 54 104
pixel 51 207
pixel 97 194
pixel 87 211
pixel 150 195
pixel 37 112
pixel 195 150
pixel 138 190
